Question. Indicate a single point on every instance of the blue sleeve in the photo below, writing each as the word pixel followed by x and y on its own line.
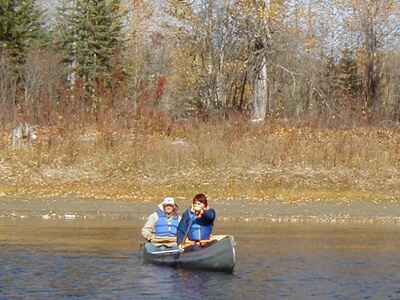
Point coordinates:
pixel 209 216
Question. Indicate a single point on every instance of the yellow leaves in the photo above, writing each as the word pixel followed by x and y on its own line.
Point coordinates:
pixel 181 10
pixel 264 11
pixel 276 9
pixel 391 5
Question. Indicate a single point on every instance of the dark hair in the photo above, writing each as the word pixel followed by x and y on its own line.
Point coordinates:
pixel 200 198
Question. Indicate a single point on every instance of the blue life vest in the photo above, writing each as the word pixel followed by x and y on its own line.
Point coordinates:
pixel 198 232
pixel 166 226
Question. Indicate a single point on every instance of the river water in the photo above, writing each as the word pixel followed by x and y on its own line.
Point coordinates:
pixel 100 259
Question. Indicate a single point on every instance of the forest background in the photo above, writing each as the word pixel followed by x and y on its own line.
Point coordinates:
pixel 295 100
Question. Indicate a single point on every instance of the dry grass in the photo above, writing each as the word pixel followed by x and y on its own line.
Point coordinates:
pixel 230 159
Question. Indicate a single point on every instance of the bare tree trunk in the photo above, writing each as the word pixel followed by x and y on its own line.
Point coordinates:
pixel 210 53
pixel 260 96
pixel 220 82
pixel 243 88
pixel 371 72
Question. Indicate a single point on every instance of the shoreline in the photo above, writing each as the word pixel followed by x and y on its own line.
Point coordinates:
pixel 360 212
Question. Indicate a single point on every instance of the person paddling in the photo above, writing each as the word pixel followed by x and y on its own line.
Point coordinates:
pixel 197 222
pixel 161 226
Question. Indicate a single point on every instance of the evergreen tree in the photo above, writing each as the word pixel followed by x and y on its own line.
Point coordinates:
pixel 348 77
pixel 328 80
pixel 20 28
pixel 91 39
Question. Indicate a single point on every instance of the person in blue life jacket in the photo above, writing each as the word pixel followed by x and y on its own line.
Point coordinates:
pixel 197 222
pixel 162 225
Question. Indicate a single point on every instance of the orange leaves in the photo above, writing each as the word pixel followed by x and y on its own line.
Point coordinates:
pixel 310 42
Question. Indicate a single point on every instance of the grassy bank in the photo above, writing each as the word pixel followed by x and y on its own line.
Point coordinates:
pixel 234 159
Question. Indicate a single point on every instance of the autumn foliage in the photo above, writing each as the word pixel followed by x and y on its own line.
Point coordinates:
pixel 260 98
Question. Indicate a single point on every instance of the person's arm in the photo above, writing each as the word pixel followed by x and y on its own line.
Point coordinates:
pixel 208 216
pixel 148 228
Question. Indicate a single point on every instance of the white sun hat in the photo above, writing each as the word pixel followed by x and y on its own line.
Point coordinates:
pixel 169 201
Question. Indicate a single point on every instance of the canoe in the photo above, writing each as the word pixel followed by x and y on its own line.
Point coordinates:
pixel 217 255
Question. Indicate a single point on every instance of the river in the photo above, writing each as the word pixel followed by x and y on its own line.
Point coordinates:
pixel 101 259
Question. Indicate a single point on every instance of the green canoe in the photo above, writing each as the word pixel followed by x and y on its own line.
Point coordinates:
pixel 217 255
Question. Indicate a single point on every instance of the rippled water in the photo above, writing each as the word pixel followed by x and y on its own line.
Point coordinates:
pixel 101 260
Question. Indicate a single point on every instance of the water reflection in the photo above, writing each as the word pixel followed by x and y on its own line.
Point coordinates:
pixel 96 261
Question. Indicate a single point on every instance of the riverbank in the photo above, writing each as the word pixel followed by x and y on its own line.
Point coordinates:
pixel 231 160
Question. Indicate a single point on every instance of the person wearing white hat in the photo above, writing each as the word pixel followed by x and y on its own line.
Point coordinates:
pixel 162 225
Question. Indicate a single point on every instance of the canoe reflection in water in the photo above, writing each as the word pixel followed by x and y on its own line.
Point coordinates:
pixel 216 255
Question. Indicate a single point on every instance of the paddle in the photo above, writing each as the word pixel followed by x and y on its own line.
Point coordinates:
pixel 187 232
pixel 179 250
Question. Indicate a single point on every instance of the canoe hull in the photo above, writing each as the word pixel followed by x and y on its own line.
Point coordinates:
pixel 218 256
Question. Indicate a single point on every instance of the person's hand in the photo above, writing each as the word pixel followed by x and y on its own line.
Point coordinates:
pixel 198 209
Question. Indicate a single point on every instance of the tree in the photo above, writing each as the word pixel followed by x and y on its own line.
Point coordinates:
pixel 349 79
pixel 20 30
pixel 205 28
pixel 261 21
pixel 92 40
pixel 375 24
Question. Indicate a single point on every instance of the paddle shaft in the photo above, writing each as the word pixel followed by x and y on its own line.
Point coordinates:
pixel 187 232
